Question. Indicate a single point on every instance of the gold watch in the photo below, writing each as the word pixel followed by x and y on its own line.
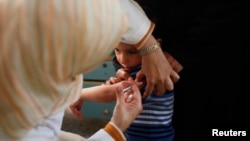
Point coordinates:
pixel 149 49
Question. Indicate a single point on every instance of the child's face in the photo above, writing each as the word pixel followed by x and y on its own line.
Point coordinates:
pixel 127 56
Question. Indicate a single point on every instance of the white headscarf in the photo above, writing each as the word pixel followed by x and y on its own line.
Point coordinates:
pixel 45 46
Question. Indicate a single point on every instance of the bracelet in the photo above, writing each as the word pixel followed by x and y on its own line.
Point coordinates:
pixel 150 49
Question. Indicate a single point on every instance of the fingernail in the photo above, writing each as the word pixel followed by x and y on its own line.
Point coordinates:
pixel 130 98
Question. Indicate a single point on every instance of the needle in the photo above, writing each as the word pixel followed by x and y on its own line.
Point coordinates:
pixel 126 89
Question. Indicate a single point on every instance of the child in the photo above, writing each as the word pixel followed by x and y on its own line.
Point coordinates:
pixel 155 121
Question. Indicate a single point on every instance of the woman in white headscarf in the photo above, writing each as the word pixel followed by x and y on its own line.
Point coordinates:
pixel 45 46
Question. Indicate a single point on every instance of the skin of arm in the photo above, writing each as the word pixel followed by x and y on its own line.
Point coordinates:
pixel 98 94
pixel 101 93
pixel 152 69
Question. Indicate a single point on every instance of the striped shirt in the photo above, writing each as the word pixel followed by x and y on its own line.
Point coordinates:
pixel 154 123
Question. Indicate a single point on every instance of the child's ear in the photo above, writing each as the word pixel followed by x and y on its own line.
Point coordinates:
pixel 159 40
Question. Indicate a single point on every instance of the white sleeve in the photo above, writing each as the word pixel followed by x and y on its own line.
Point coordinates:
pixel 101 135
pixel 109 133
pixel 139 24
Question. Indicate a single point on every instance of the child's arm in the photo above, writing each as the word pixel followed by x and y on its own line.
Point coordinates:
pixel 101 93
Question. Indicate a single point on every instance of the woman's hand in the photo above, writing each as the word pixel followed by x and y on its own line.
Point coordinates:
pixel 128 105
pixel 153 73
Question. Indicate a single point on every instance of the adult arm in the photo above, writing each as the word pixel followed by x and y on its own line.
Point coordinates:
pixel 124 113
pixel 139 34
